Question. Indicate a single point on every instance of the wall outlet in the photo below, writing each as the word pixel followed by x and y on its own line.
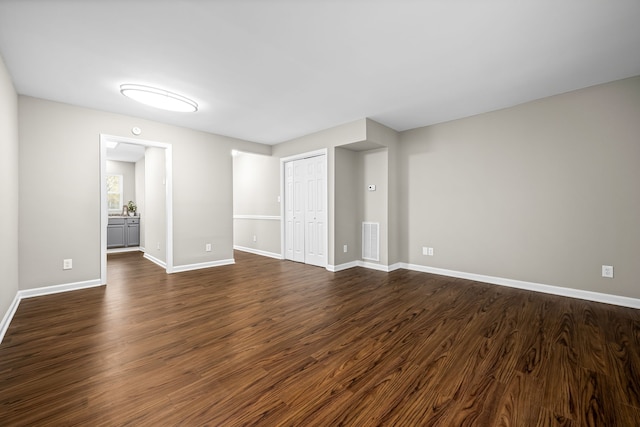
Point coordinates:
pixel 427 251
pixel 344 249
pixel 255 238
pixel 207 247
pixel 67 264
pixel 607 271
pixel 158 246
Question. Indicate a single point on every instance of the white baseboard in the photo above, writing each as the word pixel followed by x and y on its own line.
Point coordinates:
pixel 155 260
pixel 55 289
pixel 345 266
pixel 36 292
pixel 374 266
pixel 364 264
pixel 257 252
pixel 6 320
pixel 531 286
pixel 120 250
pixel 189 267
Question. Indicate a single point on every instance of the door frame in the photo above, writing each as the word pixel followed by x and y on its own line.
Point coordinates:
pixel 104 220
pixel 283 161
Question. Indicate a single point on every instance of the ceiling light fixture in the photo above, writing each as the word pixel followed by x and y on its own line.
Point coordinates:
pixel 159 98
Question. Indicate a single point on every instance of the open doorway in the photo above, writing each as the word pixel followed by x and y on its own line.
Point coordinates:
pixel 158 194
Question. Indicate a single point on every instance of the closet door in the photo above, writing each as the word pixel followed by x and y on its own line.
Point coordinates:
pixel 298 210
pixel 305 210
pixel 288 210
pixel 315 211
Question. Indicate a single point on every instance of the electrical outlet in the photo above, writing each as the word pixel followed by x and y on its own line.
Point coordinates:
pixel 207 247
pixel 427 251
pixel 607 271
pixel 255 238
pixel 344 248
pixel 158 246
pixel 67 264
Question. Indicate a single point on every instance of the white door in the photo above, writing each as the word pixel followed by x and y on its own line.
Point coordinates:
pixel 288 210
pixel 315 212
pixel 305 210
pixel 298 210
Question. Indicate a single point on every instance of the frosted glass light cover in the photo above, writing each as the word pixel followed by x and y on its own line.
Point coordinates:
pixel 159 98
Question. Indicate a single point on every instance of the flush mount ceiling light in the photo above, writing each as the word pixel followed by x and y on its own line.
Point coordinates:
pixel 159 98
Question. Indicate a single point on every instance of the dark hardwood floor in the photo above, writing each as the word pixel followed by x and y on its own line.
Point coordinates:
pixel 268 342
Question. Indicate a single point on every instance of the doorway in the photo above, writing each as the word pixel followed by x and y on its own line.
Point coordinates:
pixel 107 140
pixel 305 231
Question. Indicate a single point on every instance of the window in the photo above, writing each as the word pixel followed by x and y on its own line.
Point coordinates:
pixel 114 193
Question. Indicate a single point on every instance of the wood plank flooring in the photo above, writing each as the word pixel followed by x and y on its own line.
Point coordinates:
pixel 268 342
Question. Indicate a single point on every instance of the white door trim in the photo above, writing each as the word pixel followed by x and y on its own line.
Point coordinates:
pixel 283 161
pixel 104 139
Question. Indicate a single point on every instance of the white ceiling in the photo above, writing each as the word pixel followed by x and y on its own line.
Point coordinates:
pixel 271 70
pixel 124 152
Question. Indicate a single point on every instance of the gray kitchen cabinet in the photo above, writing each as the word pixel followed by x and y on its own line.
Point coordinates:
pixel 133 232
pixel 123 232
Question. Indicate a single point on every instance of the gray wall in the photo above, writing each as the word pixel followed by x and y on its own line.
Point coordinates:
pixel 375 203
pixel 140 198
pixel 345 134
pixel 128 172
pixel 349 193
pixel 545 192
pixel 155 219
pixel 256 187
pixel 8 191
pixel 59 174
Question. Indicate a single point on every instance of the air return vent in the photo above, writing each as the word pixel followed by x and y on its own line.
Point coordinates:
pixel 371 241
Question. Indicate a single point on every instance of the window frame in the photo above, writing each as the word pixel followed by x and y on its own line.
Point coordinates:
pixel 120 191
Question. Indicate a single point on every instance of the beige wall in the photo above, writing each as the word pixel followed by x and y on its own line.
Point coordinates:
pixel 544 192
pixel 256 188
pixel 8 191
pixel 59 175
pixel 128 172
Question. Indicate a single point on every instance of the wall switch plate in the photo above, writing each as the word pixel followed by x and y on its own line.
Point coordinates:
pixel 344 248
pixel 255 238
pixel 425 250
pixel 207 247
pixel 67 264
pixel 607 271
pixel 430 252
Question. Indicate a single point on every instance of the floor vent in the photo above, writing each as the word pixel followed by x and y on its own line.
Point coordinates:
pixel 371 241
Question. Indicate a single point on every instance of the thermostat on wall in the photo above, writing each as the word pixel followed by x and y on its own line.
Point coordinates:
pixel 372 187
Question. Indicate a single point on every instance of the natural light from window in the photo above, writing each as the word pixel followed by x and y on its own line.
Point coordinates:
pixel 114 193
